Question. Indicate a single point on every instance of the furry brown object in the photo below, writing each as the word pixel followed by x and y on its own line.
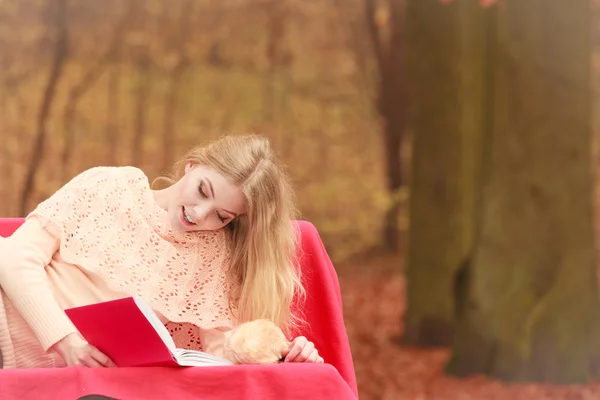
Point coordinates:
pixel 255 342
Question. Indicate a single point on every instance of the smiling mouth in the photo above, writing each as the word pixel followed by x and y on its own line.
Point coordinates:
pixel 186 217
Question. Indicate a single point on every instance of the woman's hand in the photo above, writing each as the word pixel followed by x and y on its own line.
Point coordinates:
pixel 75 350
pixel 301 350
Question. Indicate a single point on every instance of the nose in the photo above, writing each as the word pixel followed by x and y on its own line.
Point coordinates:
pixel 201 212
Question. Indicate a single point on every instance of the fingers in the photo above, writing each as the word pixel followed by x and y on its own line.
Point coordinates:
pixel 92 363
pixel 306 352
pixel 102 358
pixel 110 364
pixel 296 348
pixel 87 362
pixel 302 350
pixel 313 357
pixel 91 357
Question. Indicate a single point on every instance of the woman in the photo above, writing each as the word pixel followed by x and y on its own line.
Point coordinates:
pixel 213 249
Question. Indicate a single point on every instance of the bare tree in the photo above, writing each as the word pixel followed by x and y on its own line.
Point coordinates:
pixel 178 42
pixel 6 153
pixel 112 106
pixel 527 296
pixel 448 70
pixel 277 77
pixel 78 90
pixel 275 26
pixel 142 63
pixel 58 11
pixel 392 106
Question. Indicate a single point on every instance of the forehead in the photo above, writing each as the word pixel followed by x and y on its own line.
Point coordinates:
pixel 203 171
pixel 227 194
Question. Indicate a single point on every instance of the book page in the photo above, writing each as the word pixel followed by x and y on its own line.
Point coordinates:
pixel 162 331
pixel 192 358
pixel 188 358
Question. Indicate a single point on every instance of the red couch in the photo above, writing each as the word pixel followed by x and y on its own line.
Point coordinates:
pixel 323 311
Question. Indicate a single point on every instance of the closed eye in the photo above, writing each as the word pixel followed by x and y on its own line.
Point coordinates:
pixel 201 190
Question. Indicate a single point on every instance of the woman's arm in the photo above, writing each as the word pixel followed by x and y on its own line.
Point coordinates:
pixel 23 258
pixel 212 341
pixel 188 336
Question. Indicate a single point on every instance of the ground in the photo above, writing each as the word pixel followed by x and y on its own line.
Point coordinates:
pixel 374 304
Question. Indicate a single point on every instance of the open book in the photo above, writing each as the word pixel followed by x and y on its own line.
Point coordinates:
pixel 132 335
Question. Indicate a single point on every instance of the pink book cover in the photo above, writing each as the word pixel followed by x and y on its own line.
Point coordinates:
pixel 121 330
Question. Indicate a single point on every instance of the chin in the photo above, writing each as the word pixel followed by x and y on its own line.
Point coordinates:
pixel 202 229
pixel 176 223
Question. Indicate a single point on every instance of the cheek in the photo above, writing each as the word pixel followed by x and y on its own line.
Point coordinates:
pixel 186 193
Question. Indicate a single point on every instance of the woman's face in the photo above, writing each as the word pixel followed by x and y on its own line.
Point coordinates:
pixel 204 200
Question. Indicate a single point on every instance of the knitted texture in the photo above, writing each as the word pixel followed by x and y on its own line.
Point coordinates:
pixel 185 336
pixel 109 224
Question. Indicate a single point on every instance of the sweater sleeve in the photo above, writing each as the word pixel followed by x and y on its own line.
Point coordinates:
pixel 23 258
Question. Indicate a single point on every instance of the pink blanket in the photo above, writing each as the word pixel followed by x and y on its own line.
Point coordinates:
pixel 322 311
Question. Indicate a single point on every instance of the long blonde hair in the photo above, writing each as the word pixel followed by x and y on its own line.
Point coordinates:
pixel 264 239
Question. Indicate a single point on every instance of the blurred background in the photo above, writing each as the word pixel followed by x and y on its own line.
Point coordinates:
pixel 495 100
pixel 139 82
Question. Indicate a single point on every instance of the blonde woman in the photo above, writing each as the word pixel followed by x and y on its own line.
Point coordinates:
pixel 212 249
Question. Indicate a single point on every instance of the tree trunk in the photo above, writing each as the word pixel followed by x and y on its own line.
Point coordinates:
pixel 60 54
pixel 529 309
pixel 274 51
pixel 112 128
pixel 446 74
pixel 393 106
pixel 88 79
pixel 169 137
pixel 69 116
pixel 6 158
pixel 141 101
pixel 171 104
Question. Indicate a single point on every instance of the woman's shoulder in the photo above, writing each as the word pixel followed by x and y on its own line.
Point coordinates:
pixel 112 171
pixel 98 190
pixel 103 183
pixel 94 176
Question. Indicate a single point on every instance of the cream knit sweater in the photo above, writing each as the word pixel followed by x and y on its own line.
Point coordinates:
pixel 102 237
